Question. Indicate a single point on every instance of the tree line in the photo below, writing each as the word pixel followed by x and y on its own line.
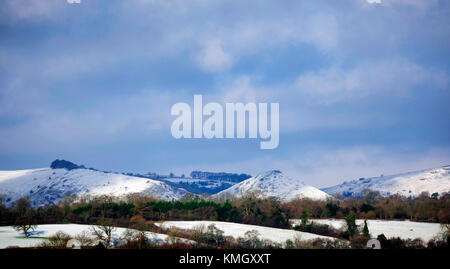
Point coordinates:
pixel 88 210
pixel 425 207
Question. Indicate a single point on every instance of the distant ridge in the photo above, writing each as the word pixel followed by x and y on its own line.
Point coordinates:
pixel 410 184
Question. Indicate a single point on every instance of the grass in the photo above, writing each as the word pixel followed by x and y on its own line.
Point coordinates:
pixel 31 237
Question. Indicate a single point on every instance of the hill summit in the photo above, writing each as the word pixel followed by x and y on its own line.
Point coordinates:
pixel 63 164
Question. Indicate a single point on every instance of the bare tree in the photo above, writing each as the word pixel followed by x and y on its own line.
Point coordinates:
pixel 67 201
pixel 24 224
pixel 85 239
pixel 22 207
pixel 445 227
pixel 59 239
pixel 103 231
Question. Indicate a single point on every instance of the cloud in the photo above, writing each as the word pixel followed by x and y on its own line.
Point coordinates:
pixel 249 37
pixel 213 58
pixel 143 114
pixel 321 167
pixel 18 10
pixel 419 4
pixel 414 7
pixel 338 84
pixel 326 167
pixel 81 81
pixel 223 42
pixel 244 89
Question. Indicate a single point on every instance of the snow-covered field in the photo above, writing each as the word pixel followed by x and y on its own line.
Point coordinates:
pixel 402 229
pixel 10 237
pixel 390 228
pixel 238 230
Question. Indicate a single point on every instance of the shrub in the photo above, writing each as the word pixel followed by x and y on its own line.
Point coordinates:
pixel 136 240
pixel 58 240
pixel 210 235
pixel 437 243
pixel 415 243
pixel 365 230
pixel 251 240
pixel 358 242
pixel 320 243
pixel 350 223
pixel 321 229
pixel 392 243
pixel 289 244
pixel 85 239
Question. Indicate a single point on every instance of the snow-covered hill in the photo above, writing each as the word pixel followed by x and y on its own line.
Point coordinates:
pixel 48 186
pixel 405 184
pixel 275 183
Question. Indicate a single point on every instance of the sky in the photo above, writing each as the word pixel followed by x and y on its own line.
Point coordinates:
pixel 363 85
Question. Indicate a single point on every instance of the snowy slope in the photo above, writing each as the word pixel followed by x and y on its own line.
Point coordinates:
pixel 406 184
pixel 275 183
pixel 48 186
pixel 236 230
pixel 10 237
pixel 390 228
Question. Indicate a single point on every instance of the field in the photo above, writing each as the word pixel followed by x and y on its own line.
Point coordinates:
pixel 238 230
pixel 390 228
pixel 10 237
pixel 402 229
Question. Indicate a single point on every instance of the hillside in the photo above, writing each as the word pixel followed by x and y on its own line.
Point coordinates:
pixel 48 186
pixel 276 184
pixel 406 184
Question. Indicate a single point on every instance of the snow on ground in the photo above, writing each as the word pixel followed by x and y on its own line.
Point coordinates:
pixel 238 230
pixel 390 228
pixel 10 237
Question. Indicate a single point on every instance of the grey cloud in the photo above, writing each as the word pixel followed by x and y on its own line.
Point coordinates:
pixel 396 76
